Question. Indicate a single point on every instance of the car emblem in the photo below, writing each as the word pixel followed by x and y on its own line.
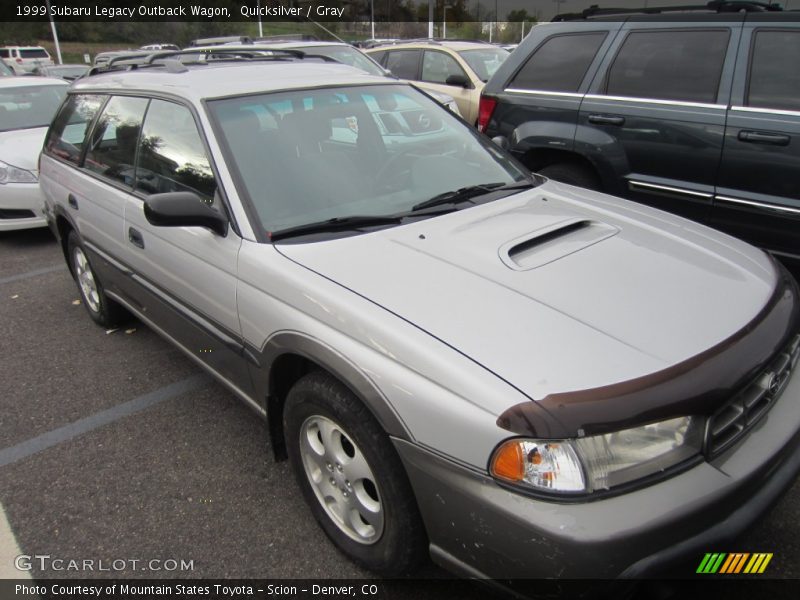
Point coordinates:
pixel 424 121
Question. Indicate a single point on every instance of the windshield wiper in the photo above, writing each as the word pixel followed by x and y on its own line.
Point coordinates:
pixel 468 193
pixel 336 224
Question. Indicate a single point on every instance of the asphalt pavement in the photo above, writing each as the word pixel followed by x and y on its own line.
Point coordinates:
pixel 115 446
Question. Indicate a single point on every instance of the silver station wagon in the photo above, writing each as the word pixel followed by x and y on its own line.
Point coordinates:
pixel 521 378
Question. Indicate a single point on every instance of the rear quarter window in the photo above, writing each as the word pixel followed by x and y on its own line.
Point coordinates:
pixel 67 135
pixel 560 63
pixel 33 53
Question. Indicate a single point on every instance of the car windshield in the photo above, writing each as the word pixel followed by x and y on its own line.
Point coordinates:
pixel 484 61
pixel 348 56
pixel 308 156
pixel 30 106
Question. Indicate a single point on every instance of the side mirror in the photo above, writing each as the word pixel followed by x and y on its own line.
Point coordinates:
pixel 458 80
pixel 183 209
pixel 501 142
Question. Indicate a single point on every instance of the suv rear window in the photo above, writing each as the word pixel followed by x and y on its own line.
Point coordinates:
pixel 560 63
pixel 774 80
pixel 670 65
pixel 33 53
pixel 403 63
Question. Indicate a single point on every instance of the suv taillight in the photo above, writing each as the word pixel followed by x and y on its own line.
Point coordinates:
pixel 485 110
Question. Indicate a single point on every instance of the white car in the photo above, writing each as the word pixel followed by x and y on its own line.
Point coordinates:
pixel 24 59
pixel 27 106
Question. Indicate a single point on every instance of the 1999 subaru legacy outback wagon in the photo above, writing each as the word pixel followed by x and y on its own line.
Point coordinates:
pixel 526 378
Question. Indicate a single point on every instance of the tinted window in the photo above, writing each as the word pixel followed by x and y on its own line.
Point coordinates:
pixel 112 149
pixel 172 157
pixel 30 106
pixel 403 63
pixel 66 137
pixel 775 70
pixel 33 53
pixel 669 65
pixel 5 53
pixel 438 66
pixel 378 56
pixel 560 64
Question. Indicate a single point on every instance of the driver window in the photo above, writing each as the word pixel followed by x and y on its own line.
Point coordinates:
pixel 438 66
pixel 112 146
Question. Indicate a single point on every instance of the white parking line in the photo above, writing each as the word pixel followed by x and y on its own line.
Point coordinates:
pixel 9 550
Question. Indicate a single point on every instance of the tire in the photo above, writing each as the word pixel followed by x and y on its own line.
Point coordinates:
pixel 104 311
pixel 573 174
pixel 351 476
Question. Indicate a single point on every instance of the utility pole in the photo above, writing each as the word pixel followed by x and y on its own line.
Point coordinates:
pixel 260 30
pixel 430 18
pixel 55 33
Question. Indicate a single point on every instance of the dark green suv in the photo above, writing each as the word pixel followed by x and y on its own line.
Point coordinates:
pixel 697 113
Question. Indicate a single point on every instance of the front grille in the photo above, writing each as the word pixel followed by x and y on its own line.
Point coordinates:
pixel 10 213
pixel 734 419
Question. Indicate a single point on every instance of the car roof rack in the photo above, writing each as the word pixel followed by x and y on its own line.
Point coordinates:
pixel 226 39
pixel 287 37
pixel 171 59
pixel 715 6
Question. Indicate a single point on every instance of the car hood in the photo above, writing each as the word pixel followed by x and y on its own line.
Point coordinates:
pixel 555 290
pixel 21 147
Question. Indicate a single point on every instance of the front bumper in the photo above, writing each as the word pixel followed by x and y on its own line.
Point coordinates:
pixel 21 206
pixel 480 529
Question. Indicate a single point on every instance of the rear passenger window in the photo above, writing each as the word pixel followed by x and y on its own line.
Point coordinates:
pixel 685 66
pixel 774 76
pixel 403 63
pixel 112 146
pixel 172 157
pixel 67 135
pixel 560 64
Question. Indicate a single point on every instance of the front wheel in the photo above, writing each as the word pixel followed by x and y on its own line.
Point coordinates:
pixel 351 476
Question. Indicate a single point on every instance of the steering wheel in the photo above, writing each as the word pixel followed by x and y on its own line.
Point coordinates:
pixel 386 182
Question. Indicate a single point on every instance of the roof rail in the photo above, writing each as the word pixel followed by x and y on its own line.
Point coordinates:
pixel 170 59
pixel 716 6
pixel 227 39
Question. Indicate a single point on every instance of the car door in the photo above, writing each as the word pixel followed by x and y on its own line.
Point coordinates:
pixel 186 276
pixel 758 191
pixel 437 68
pixel 654 118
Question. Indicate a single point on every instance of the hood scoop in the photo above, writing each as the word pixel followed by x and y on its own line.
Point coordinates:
pixel 555 241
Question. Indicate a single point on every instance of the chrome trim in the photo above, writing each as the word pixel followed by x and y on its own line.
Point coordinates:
pixel 770 111
pixel 261 411
pixel 655 101
pixel 543 93
pixel 667 188
pixel 765 205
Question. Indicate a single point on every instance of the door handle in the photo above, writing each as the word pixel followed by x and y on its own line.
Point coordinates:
pixel 606 120
pixel 135 237
pixel 72 201
pixel 758 137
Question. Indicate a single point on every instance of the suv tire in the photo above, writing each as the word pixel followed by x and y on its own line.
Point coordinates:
pixel 347 468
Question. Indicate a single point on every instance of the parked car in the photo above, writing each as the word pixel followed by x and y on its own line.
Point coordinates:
pixel 24 59
pixel 68 72
pixel 458 357
pixel 5 70
pixel 338 51
pixel 699 116
pixel 160 47
pixel 458 68
pixel 102 58
pixel 27 106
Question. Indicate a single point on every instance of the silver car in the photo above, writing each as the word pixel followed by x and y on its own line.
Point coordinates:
pixel 518 377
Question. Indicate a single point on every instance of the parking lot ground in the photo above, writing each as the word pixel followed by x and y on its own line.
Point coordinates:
pixel 116 446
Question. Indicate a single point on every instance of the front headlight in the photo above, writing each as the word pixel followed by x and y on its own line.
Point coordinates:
pixel 12 174
pixel 597 462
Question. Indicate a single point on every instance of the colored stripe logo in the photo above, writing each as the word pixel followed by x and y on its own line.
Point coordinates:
pixel 734 563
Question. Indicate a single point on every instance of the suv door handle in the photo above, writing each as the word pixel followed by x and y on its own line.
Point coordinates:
pixel 72 201
pixel 135 237
pixel 757 137
pixel 606 120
